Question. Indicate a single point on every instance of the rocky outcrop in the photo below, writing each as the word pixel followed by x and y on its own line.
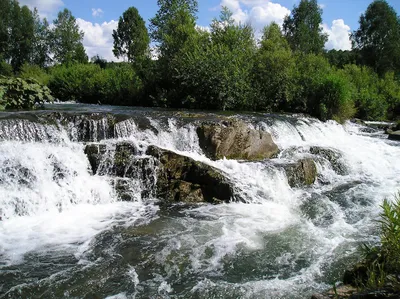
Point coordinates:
pixel 394 135
pixel 235 140
pixel 182 179
pixel 301 173
pixel 334 158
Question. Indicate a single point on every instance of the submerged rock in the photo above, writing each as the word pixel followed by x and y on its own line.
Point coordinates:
pixel 394 135
pixel 235 140
pixel 301 173
pixel 182 179
pixel 334 158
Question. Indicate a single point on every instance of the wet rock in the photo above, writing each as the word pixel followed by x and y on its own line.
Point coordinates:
pixel 95 152
pixel 340 292
pixel 123 188
pixel 394 135
pixel 125 153
pixel 357 275
pixel 235 140
pixel 182 179
pixel 301 173
pixel 334 158
pixel 376 294
pixel 358 121
pixel 86 127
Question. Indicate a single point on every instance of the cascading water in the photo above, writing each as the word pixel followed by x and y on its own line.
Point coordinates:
pixel 66 232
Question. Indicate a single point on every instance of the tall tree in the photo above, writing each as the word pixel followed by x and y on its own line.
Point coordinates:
pixel 66 38
pixel 5 18
pixel 274 70
pixel 303 28
pixel 41 44
pixel 173 25
pixel 131 39
pixel 21 35
pixel 378 37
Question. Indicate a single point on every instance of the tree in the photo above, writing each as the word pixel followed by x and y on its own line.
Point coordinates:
pixel 173 24
pixel 21 35
pixel 378 37
pixel 66 39
pixel 131 38
pixel 215 69
pixel 41 43
pixel 5 18
pixel 303 28
pixel 274 70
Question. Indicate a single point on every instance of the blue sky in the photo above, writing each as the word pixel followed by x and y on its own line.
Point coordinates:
pixel 97 18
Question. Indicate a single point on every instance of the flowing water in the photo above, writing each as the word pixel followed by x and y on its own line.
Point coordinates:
pixel 65 233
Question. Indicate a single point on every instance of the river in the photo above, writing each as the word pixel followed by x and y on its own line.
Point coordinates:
pixel 64 233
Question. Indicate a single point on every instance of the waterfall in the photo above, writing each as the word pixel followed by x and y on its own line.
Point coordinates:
pixel 279 242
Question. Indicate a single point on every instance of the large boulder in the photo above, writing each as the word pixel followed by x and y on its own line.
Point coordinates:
pixel 301 173
pixel 235 140
pixel 394 135
pixel 182 179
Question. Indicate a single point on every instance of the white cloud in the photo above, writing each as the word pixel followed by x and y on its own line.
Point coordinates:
pixel 97 12
pixel 46 8
pixel 258 13
pixel 98 38
pixel 339 35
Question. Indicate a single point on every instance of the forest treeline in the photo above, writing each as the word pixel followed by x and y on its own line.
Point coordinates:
pixel 228 66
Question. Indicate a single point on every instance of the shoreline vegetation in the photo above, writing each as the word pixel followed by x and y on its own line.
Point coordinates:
pixel 173 63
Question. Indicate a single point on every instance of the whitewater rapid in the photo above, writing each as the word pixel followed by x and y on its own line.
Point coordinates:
pixel 281 242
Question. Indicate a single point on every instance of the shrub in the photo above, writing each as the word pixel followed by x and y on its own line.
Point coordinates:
pixel 30 71
pixel 5 68
pixel 17 93
pixel 365 92
pixel 89 83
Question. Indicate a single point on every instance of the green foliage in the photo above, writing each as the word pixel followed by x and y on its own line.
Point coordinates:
pixel 31 71
pixel 274 71
pixel 88 83
pixel 17 93
pixel 383 262
pixel 339 58
pixel 303 28
pixel 378 37
pixel 40 55
pixel 5 68
pixel 131 38
pixel 66 39
pixel 369 101
pixel 215 69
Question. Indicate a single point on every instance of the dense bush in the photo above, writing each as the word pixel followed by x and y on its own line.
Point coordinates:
pixel 89 83
pixel 17 93
pixel 365 92
pixel 31 71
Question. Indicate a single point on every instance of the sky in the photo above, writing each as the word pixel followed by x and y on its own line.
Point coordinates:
pixel 98 18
